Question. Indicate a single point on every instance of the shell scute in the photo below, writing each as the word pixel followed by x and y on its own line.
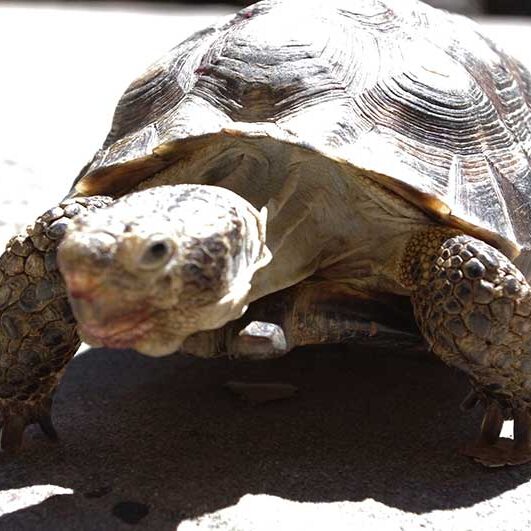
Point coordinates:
pixel 424 102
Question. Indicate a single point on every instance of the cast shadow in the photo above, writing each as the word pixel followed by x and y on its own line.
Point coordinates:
pixel 165 434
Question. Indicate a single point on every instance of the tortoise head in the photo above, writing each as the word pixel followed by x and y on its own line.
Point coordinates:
pixel 161 264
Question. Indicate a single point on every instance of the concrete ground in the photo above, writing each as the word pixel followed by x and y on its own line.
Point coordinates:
pixel 368 441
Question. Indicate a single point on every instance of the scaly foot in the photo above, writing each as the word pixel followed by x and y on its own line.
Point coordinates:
pixel 491 450
pixel 15 422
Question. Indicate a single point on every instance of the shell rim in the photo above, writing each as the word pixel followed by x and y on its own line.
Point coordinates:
pixel 118 178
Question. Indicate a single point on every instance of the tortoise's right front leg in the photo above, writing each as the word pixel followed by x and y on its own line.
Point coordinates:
pixel 474 307
pixel 37 330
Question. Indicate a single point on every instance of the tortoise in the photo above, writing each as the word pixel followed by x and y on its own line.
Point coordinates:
pixel 361 174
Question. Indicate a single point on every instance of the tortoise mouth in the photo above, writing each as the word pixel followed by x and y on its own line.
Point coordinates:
pixel 122 332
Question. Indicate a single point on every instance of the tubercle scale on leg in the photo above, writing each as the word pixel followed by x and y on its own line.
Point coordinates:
pixel 420 253
pixel 474 306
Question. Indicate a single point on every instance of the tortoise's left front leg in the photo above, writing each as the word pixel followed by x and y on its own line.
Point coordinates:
pixel 38 333
pixel 474 308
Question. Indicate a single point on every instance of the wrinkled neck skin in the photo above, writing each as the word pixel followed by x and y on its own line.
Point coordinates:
pixel 159 265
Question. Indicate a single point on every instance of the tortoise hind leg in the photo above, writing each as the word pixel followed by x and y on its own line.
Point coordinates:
pixel 310 313
pixel 474 306
pixel 37 330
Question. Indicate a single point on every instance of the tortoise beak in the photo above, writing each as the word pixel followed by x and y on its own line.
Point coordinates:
pixel 101 315
pixel 121 332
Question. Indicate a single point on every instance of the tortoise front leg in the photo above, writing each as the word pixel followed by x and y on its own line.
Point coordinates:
pixel 37 330
pixel 474 308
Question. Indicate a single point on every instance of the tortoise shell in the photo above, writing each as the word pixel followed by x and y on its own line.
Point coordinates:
pixel 417 97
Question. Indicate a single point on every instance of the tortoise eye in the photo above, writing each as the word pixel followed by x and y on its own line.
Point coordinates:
pixel 156 254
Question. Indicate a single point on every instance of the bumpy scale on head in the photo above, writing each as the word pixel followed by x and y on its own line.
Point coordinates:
pixel 161 264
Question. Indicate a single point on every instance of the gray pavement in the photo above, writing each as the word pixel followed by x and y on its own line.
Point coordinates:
pixel 368 441
pixel 369 438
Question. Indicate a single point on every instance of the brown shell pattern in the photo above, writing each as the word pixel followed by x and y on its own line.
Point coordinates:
pixel 419 97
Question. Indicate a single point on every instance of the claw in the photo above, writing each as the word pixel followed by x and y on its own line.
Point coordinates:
pixel 493 451
pixel 12 433
pixel 470 401
pixel 43 418
pixel 15 421
pixel 46 424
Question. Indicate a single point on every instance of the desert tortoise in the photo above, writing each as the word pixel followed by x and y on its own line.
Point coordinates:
pixel 358 154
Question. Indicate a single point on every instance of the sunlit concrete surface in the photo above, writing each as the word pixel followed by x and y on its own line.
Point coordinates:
pixel 369 440
pixel 12 500
pixel 62 72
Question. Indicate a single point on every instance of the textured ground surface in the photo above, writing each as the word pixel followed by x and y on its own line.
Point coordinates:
pixel 369 439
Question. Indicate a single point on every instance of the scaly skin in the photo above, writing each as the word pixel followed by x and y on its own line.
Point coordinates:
pixel 474 306
pixel 310 313
pixel 37 330
pixel 471 302
pixel 161 264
